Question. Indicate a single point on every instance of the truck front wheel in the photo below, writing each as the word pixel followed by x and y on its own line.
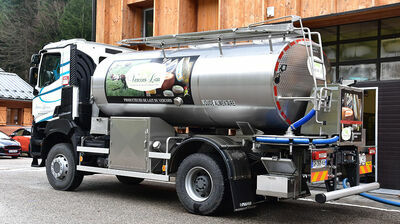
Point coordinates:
pixel 61 168
pixel 201 184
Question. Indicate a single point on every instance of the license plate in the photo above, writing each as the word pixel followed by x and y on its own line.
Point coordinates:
pixel 318 163
pixel 12 151
pixel 363 159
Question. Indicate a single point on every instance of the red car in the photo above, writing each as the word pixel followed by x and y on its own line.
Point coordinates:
pixel 23 136
pixel 8 146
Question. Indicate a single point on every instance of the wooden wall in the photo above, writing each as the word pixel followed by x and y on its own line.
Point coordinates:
pixel 3 115
pixel 24 111
pixel 120 19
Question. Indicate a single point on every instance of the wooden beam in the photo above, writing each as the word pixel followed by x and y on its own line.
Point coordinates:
pixel 132 21
pixel 207 15
pixel 102 21
pixel 166 17
pixel 353 16
pixel 187 16
pixel 141 3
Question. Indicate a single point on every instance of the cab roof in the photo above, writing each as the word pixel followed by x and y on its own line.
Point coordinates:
pixel 64 43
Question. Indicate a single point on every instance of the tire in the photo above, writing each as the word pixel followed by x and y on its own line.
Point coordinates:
pixel 61 168
pixel 14 157
pixel 201 184
pixel 129 180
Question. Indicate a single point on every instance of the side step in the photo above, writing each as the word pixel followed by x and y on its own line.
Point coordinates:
pixel 150 176
pixel 93 150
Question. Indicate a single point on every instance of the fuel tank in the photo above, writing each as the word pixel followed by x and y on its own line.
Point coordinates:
pixel 200 87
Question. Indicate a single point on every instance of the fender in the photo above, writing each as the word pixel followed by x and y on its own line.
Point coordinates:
pixel 235 160
pixel 62 126
pixel 58 131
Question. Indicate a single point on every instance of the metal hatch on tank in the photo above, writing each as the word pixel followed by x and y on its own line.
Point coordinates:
pixel 199 87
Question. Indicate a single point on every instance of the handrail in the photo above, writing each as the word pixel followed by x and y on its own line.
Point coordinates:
pixel 251 32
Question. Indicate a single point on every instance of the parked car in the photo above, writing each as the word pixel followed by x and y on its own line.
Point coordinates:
pixel 23 136
pixel 9 146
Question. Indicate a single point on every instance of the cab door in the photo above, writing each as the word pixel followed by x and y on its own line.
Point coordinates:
pixel 52 76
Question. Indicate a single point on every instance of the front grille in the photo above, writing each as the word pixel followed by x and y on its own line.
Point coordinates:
pixel 12 147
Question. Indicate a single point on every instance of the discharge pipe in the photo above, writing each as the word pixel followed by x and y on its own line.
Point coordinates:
pixel 375 198
pixel 303 120
pixel 332 195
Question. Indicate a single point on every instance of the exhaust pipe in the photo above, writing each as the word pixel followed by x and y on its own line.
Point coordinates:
pixel 328 196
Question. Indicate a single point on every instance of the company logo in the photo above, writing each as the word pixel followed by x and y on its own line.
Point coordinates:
pixel 244 204
pixel 146 77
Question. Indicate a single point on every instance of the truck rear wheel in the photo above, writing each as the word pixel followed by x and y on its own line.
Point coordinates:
pixel 201 184
pixel 129 180
pixel 61 168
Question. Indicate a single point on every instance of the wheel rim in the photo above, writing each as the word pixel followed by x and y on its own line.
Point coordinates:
pixel 59 167
pixel 198 184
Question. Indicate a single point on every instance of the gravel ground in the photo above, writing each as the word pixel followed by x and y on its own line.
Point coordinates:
pixel 26 197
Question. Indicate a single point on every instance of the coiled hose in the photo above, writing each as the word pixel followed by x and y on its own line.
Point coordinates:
pixel 378 199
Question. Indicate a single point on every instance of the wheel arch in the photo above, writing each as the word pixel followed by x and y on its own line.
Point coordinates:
pixel 234 160
pixel 53 139
pixel 198 145
pixel 59 131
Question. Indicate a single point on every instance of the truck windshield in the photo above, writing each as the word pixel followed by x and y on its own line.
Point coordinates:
pixel 49 69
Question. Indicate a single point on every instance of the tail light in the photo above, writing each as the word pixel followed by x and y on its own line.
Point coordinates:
pixel 371 150
pixel 316 155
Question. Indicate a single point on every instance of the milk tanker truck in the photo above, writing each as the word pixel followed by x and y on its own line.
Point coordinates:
pixel 233 116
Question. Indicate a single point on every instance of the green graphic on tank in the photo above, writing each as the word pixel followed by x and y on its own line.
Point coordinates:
pixel 156 80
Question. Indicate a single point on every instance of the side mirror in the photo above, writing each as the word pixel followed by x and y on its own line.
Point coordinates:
pixel 35 59
pixel 33 74
pixel 35 92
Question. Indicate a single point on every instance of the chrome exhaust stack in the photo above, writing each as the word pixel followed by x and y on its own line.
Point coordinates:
pixel 328 196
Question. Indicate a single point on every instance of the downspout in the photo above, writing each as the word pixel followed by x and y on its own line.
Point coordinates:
pixel 94 14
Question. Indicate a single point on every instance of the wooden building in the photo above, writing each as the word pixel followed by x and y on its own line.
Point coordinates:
pixel 15 102
pixel 360 37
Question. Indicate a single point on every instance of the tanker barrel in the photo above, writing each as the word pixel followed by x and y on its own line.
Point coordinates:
pixel 199 87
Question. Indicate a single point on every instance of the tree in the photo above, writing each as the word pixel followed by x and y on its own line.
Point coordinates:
pixel 27 25
pixel 76 21
pixel 15 36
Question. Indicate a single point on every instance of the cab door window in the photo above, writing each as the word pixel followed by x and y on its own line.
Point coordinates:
pixel 49 69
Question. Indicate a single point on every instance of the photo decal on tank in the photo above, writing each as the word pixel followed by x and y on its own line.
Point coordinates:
pixel 154 80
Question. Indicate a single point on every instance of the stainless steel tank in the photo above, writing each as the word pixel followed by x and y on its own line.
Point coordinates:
pixel 202 88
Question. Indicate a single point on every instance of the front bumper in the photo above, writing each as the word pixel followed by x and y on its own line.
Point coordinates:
pixel 6 152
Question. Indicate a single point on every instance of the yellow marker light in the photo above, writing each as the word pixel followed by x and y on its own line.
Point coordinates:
pixel 80 158
pixel 163 168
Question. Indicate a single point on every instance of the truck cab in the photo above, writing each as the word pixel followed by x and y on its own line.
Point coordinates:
pixel 56 66
pixel 54 71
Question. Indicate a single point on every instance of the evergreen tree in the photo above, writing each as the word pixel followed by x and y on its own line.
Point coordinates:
pixel 76 21
pixel 27 25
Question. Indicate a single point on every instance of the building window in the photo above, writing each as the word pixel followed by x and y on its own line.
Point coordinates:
pixel 148 22
pixel 14 116
pixel 367 51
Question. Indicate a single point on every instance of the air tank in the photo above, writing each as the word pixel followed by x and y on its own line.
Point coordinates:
pixel 200 87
